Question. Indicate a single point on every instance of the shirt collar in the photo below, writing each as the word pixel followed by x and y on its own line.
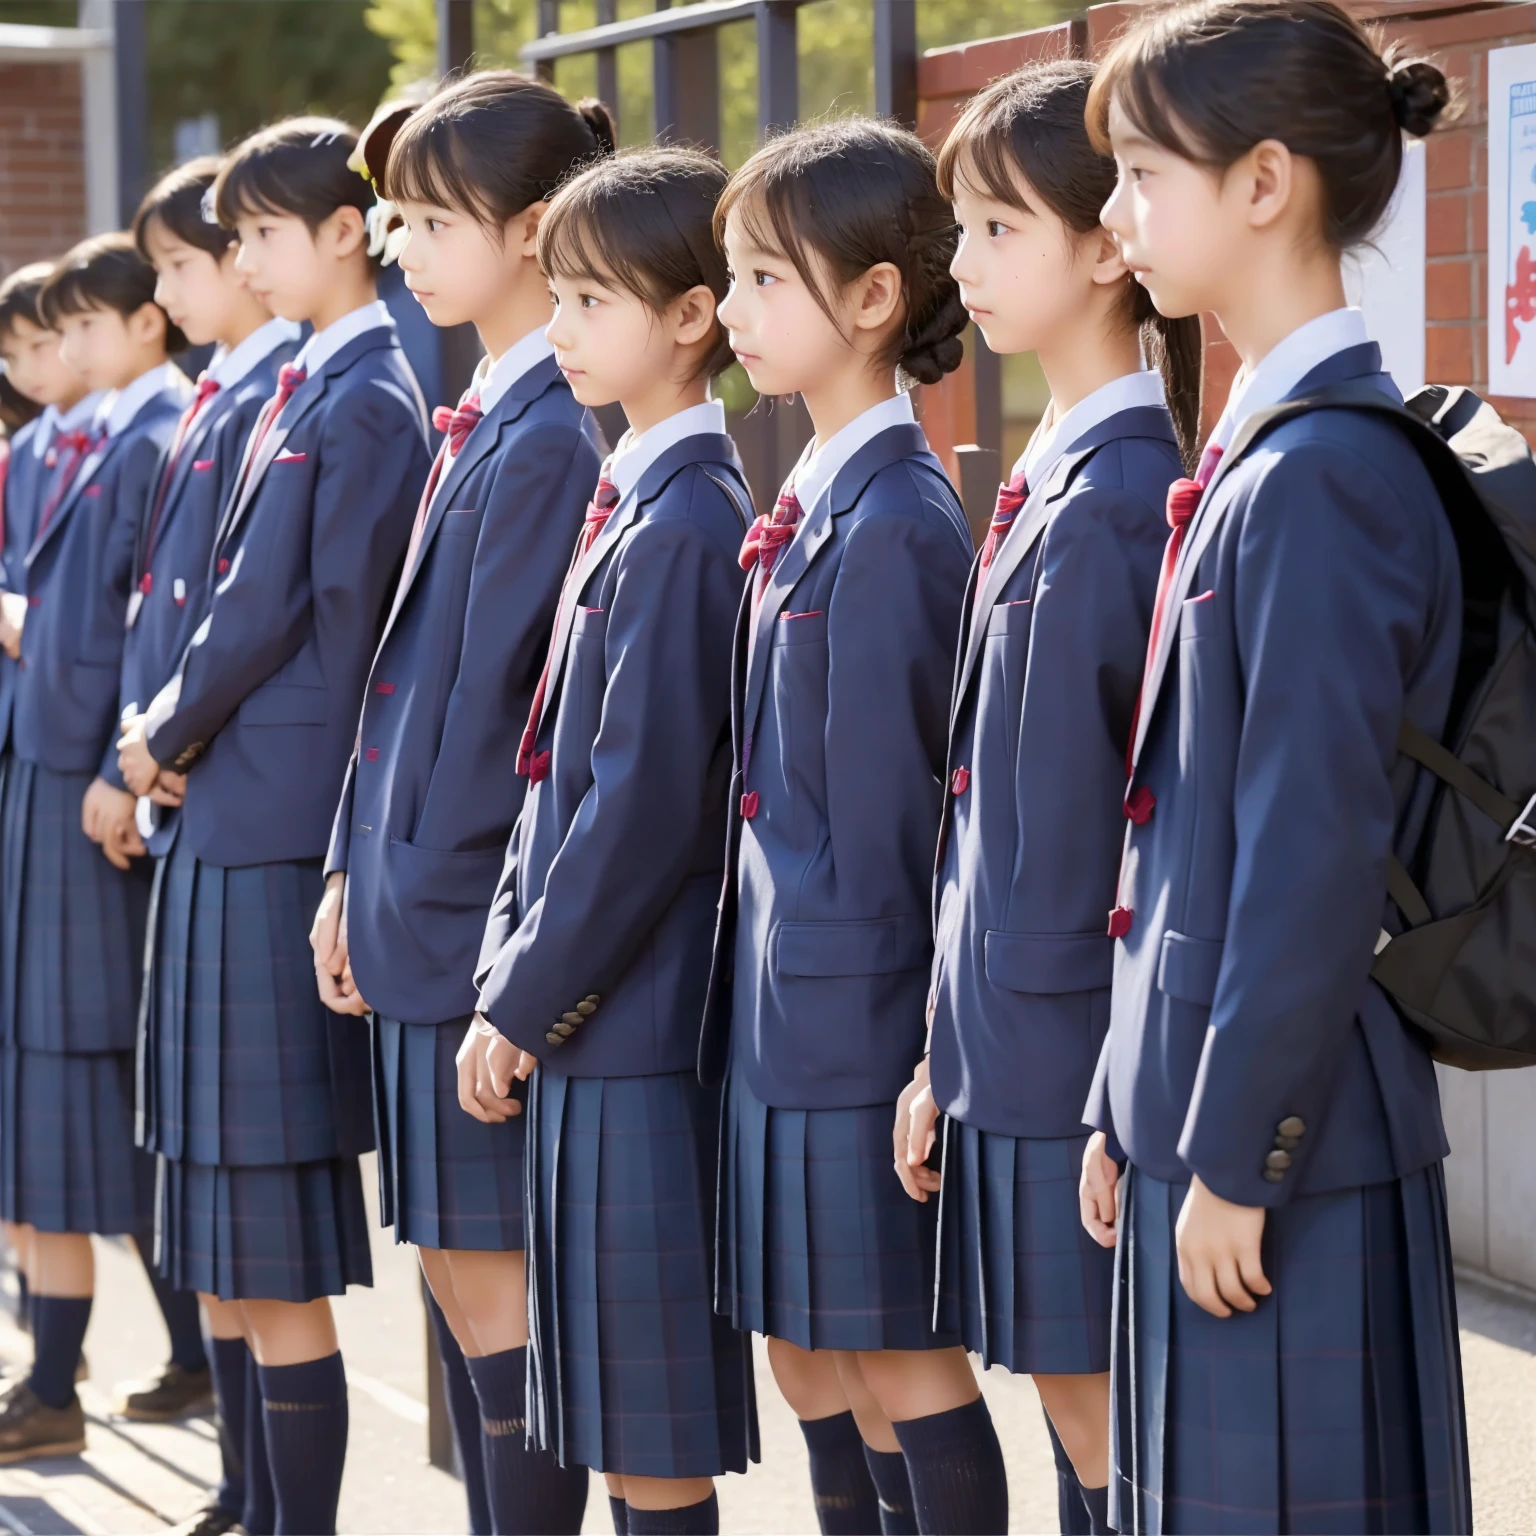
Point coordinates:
pixel 47 427
pixel 116 411
pixel 231 365
pixel 80 414
pixel 819 465
pixel 635 454
pixel 1049 444
pixel 324 345
pixel 493 380
pixel 1285 365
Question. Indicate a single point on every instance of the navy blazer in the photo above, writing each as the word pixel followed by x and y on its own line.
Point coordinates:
pixel 602 922
pixel 263 709
pixel 429 805
pixel 841 703
pixel 1316 605
pixel 1045 690
pixel 27 478
pixel 76 574
pixel 163 619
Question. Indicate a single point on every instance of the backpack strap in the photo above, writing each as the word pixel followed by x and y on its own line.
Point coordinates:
pixel 1503 812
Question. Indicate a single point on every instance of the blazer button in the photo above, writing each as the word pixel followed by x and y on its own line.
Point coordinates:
pixel 1273 1175
pixel 586 1009
pixel 1285 1143
pixel 555 1039
pixel 1292 1125
pixel 573 1019
pixel 564 1030
pixel 592 998
pixel 1279 1161
pixel 960 781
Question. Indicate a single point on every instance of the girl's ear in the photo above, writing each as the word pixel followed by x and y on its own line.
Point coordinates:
pixel 1108 264
pixel 876 297
pixel 522 232
pixel 692 315
pixel 1269 182
pixel 348 230
pixel 146 325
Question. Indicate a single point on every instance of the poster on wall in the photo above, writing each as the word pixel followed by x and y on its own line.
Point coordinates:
pixel 1512 221
pixel 1386 277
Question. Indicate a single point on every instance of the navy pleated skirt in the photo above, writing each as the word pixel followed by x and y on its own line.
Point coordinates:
pixel 631 1370
pixel 71 960
pixel 446 1180
pixel 1020 1281
pixel 819 1243
pixel 1336 1406
pixel 255 1095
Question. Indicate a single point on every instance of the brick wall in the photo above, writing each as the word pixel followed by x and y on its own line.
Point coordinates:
pixel 1457 33
pixel 42 162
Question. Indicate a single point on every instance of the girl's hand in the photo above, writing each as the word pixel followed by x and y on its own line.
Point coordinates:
pixel 328 939
pixel 13 616
pixel 139 770
pixel 480 1093
pixel 913 1135
pixel 1218 1243
pixel 1098 1193
pixel 169 789
pixel 107 818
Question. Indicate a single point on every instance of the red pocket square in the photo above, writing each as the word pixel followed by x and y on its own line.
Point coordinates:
pixel 1204 597
pixel 91 490
pixel 289 458
pixel 202 463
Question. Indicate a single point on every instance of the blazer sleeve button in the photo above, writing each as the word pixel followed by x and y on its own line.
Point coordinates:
pixel 1285 1143
pixel 555 1039
pixel 586 1008
pixel 564 1030
pixel 1292 1125
pixel 592 998
pixel 1279 1161
pixel 572 1019
pixel 1273 1175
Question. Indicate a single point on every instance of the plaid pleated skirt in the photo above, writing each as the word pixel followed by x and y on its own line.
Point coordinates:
pixel 630 1369
pixel 71 959
pixel 1336 1406
pixel 255 1095
pixel 446 1180
pixel 1020 1281
pixel 819 1244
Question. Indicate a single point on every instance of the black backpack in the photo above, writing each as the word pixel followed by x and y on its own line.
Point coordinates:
pixel 1461 966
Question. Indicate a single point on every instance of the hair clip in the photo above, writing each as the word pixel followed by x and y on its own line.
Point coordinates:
pixel 209 207
pixel 325 136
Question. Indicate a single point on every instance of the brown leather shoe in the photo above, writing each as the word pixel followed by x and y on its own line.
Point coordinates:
pixel 210 1520
pixel 171 1393
pixel 31 1430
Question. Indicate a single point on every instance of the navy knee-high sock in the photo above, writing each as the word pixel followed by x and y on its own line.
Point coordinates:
pixel 58 1331
pixel 260 1514
pixel 464 1415
pixel 305 1409
pixel 846 1501
pixel 230 1362
pixel 1071 1510
pixel 959 1486
pixel 1097 1502
pixel 529 1490
pixel 618 1512
pixel 701 1519
pixel 889 1470
pixel 183 1320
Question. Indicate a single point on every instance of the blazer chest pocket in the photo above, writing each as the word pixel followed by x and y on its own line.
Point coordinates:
pixel 1188 968
pixel 285 704
pixel 1197 616
pixel 873 947
pixel 460 523
pixel 1009 618
pixel 589 624
pixel 808 628
pixel 1049 963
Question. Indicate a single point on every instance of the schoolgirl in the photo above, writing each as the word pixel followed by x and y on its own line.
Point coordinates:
pixel 596 954
pixel 839 243
pixel 1051 650
pixel 1286 1353
pixel 429 802
pixel 253 1096
pixel 71 921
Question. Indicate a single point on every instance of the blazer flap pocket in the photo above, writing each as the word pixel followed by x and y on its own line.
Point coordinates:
pixel 448 880
pixel 1187 968
pixel 874 947
pixel 460 522
pixel 285 704
pixel 590 621
pixel 1049 962
pixel 800 628
pixel 1009 618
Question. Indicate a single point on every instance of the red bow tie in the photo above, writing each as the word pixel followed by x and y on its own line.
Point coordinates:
pixel 768 535
pixel 1010 498
pixel 458 421
pixel 76 441
pixel 206 389
pixel 288 379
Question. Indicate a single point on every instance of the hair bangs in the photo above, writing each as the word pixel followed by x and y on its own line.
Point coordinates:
pixel 176 203
pixel 427 165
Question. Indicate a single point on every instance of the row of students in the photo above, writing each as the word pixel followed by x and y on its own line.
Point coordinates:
pixel 813 780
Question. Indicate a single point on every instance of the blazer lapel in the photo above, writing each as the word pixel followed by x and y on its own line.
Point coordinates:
pixel 88 470
pixel 1353 362
pixel 212 413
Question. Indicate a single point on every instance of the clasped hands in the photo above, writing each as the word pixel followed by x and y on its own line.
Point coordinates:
pixel 1218 1241
pixel 141 773
pixel 488 1063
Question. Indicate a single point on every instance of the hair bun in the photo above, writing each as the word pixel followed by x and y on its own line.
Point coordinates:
pixel 935 347
pixel 600 120
pixel 1419 95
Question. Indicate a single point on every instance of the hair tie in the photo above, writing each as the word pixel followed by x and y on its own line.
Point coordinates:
pixel 208 206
